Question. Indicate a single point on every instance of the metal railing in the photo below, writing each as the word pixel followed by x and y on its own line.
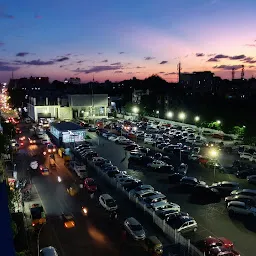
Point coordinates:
pixel 170 233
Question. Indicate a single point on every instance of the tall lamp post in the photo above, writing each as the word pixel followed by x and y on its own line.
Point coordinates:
pixel 182 116
pixel 38 239
pixel 214 155
pixel 157 112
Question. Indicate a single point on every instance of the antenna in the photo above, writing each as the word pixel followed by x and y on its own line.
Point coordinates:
pixel 179 71
pixel 242 72
pixel 233 73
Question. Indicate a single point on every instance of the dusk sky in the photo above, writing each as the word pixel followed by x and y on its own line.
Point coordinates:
pixel 118 40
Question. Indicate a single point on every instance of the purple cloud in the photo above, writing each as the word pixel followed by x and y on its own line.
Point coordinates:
pixel 221 56
pixel 228 67
pixel 4 66
pixel 118 72
pixel 80 61
pixel 171 73
pixel 116 64
pixel 121 52
pixel 100 53
pixel 36 62
pixel 140 67
pixel 22 54
pixel 237 57
pixel 212 60
pixel 62 59
pixel 98 69
pixel 161 72
pixel 1 44
pixel 38 17
pixel 200 54
pixel 251 45
pixel 163 62
pixel 6 16
pixel 149 58
pixel 105 61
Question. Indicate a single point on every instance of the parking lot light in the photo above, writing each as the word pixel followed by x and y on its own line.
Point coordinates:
pixel 135 110
pixel 197 118
pixel 169 114
pixel 182 116
pixel 214 153
pixel 218 122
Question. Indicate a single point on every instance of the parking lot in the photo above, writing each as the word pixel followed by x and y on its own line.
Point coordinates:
pixel 212 218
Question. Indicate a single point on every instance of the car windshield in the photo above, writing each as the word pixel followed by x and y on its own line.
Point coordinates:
pixel 137 227
pixel 148 194
pixel 110 202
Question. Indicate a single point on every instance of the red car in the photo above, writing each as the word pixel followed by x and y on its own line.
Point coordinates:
pixel 90 185
pixel 211 242
pixel 222 251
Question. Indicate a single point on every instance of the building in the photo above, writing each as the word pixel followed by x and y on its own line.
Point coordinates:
pixel 32 83
pixel 67 132
pixel 137 95
pixel 83 106
pixel 72 80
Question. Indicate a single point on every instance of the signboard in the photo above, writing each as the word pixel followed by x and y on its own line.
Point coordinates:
pixel 34 165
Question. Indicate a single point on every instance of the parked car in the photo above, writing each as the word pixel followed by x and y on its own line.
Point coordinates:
pixel 252 179
pixel 249 200
pixel 240 208
pixel 107 202
pixel 225 187
pixel 205 194
pixel 90 185
pixel 245 192
pixel 134 228
pixel 175 178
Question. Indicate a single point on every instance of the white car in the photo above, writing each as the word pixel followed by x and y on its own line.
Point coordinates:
pixel 113 138
pixel 246 156
pixel 48 251
pixel 107 202
pixel 149 141
pixel 127 180
pixel 157 164
pixel 134 228
pixel 236 207
pixel 190 140
pixel 165 205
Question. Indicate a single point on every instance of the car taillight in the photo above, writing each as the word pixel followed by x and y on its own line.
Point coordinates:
pixel 44 153
pixel 21 143
pixel 33 224
pixel 49 151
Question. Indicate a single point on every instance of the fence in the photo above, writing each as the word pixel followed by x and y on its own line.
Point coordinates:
pixel 170 233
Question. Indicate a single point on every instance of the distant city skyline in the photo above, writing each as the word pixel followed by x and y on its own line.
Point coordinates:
pixel 117 40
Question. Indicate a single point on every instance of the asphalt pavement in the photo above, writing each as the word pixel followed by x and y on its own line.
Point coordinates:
pixel 94 234
pixel 212 218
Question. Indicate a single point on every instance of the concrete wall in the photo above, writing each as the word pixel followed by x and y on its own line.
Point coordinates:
pixel 98 100
pixel 65 113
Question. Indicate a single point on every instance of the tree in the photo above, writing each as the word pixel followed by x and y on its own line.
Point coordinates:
pixel 24 253
pixel 238 130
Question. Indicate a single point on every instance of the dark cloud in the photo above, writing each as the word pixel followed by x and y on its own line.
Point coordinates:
pixel 171 73
pixel 121 52
pixel 36 62
pixel 228 67
pixel 163 62
pixel 221 56
pixel 129 73
pixel 251 45
pixel 1 44
pixel 116 64
pixel 100 53
pixel 199 54
pixel 98 69
pixel 22 54
pixel 6 16
pixel 162 72
pixel 249 60
pixel 118 72
pixel 68 54
pixel 4 66
pixel 140 67
pixel 38 17
pixel 105 61
pixel 212 54
pixel 149 58
pixel 237 57
pixel 80 61
pixel 251 66
pixel 62 59
pixel 213 60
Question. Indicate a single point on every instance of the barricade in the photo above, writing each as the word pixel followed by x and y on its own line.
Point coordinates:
pixel 172 234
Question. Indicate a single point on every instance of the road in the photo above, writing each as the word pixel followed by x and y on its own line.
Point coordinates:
pixel 212 218
pixel 93 235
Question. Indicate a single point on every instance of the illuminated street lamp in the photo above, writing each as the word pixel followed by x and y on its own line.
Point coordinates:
pixel 169 114
pixel 197 119
pixel 218 122
pixel 182 116
pixel 157 112
pixel 214 155
pixel 135 110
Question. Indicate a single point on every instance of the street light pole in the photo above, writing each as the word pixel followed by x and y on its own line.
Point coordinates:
pixel 38 242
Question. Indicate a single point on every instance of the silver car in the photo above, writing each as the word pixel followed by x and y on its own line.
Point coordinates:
pixel 134 228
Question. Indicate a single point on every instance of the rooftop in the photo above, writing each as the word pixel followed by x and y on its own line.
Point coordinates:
pixel 67 126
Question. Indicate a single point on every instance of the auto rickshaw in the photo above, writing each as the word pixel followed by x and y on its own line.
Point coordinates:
pixel 153 246
pixel 73 189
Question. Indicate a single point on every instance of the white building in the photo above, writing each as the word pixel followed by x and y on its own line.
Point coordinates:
pixel 137 95
pixel 85 106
